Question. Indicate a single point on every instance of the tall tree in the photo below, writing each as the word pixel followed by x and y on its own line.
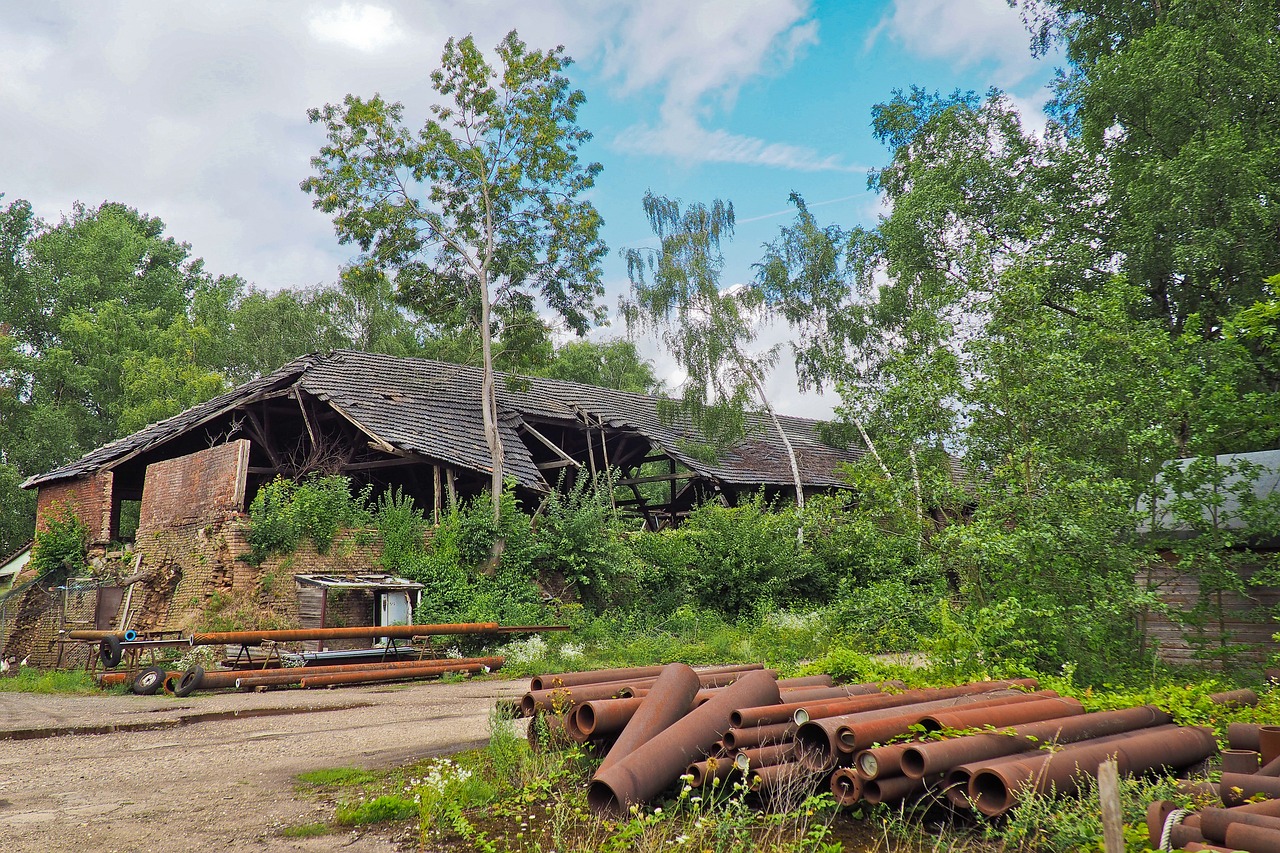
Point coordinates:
pixel 483 207
pixel 676 289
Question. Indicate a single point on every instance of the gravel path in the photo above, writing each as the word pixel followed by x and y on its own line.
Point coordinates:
pixel 176 774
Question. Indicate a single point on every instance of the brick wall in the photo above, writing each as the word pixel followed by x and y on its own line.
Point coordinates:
pixel 202 485
pixel 88 497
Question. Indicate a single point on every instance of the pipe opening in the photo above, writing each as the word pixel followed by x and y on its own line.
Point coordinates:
pixel 602 799
pixel 956 786
pixel 848 739
pixel 813 750
pixel 585 720
pixel 528 706
pixel 871 792
pixel 913 763
pixel 868 764
pixel 989 794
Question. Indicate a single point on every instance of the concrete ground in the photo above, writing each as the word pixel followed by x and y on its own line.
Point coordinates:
pixel 215 771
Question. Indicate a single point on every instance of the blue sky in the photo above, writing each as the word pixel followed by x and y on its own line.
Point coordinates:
pixel 195 112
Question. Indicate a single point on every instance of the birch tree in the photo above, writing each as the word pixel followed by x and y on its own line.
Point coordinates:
pixel 675 289
pixel 480 209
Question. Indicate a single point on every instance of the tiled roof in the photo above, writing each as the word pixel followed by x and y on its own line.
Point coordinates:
pixel 432 408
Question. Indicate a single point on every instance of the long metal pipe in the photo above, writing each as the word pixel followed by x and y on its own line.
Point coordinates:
pixel 289 635
pixel 781 713
pixel 219 679
pixel 298 675
pixel 384 675
pixel 669 699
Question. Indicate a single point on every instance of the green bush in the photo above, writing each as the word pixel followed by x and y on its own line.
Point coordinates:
pixel 62 548
pixel 283 513
pixel 379 809
pixel 401 527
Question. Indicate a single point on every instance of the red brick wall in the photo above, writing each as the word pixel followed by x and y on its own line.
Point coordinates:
pixel 88 497
pixel 199 486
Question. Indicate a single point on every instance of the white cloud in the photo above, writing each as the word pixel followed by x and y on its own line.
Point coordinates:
pixel 699 56
pixel 967 33
pixel 361 26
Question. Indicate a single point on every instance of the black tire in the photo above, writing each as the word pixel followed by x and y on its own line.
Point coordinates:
pixel 190 681
pixel 148 681
pixel 110 652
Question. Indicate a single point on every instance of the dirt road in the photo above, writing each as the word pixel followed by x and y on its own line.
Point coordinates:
pixel 175 774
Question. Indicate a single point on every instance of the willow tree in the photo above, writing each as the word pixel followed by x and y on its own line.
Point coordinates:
pixel 479 213
pixel 675 290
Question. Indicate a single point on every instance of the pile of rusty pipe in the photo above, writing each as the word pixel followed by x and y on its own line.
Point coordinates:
pixel 1255 839
pixel 658 762
pixel 1237 788
pixel 996 790
pixel 873 702
pixel 350 673
pixel 785 779
pixel 701 773
pixel 669 699
pixel 940 756
pixel 821 746
pixel 1215 822
pixel 358 632
pixel 781 713
pixel 595 676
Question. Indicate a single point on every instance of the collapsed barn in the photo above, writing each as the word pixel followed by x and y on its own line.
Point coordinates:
pixel 392 423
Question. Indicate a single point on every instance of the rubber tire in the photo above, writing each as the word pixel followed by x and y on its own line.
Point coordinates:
pixel 147 682
pixel 190 681
pixel 110 651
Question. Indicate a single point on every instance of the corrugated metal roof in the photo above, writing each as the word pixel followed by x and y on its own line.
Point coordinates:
pixel 432 408
pixel 1256 474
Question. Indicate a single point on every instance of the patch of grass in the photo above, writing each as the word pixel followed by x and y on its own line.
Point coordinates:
pixel 306 830
pixel 383 808
pixel 351 776
pixel 31 680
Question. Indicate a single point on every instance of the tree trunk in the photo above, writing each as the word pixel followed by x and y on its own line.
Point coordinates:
pixel 489 399
pixel 786 443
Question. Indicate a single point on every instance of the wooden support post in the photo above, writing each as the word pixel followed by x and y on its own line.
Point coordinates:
pixel 453 488
pixel 436 498
pixel 1112 815
pixel 608 473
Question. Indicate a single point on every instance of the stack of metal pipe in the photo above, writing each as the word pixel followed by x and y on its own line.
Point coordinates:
pixel 1250 768
pixel 659 725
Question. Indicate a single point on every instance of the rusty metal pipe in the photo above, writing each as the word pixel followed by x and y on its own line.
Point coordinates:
pixel 1255 839
pixel 653 766
pixel 1010 714
pixel 870 730
pixel 747 760
pixel 573 679
pixel 1214 822
pixel 891 788
pixel 1237 788
pixel 821 747
pixel 289 635
pixel 605 716
pixel 558 699
pixel 759 735
pixel 846 786
pixel 1240 761
pixel 996 791
pixel 941 756
pixel 910 697
pixel 338 678
pixel 218 679
pixel 775 779
pixel 781 713
pixel 880 761
pixel 669 699
pixel 702 772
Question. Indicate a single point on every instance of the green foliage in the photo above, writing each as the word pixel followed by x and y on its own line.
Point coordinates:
pixel 62 547
pixel 608 364
pixel 306 830
pixel 284 512
pixel 579 538
pixel 384 808
pixel 337 776
pixel 402 529
pixel 17 511
pixel 50 681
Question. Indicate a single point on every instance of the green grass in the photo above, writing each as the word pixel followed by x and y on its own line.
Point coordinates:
pixel 338 776
pixel 31 680
pixel 306 830
pixel 384 808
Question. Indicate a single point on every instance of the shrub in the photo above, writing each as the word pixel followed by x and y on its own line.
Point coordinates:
pixel 383 808
pixel 62 548
pixel 283 513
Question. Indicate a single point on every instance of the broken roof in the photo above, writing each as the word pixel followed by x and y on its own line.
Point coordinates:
pixel 432 409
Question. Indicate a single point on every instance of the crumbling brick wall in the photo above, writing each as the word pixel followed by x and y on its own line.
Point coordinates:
pixel 90 498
